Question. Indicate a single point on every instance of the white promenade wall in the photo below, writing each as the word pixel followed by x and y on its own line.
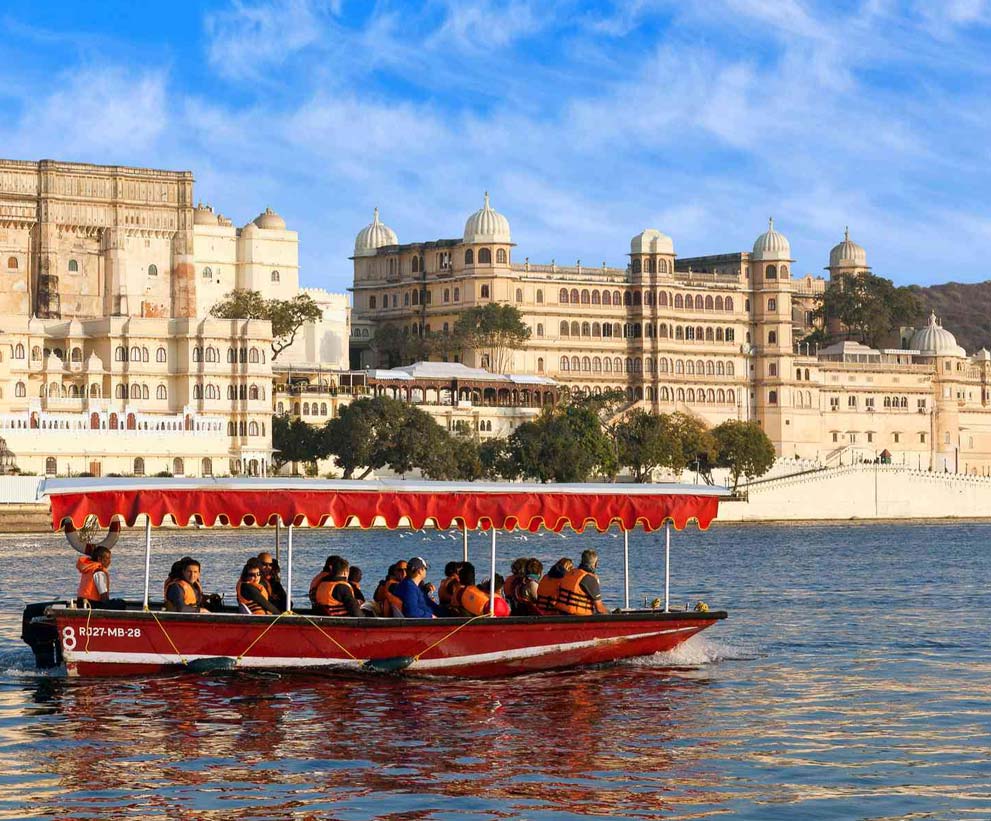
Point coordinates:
pixel 19 489
pixel 862 491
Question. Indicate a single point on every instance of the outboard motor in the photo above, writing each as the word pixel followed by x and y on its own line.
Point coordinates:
pixel 41 635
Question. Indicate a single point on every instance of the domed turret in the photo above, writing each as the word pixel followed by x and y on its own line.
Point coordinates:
pixel 270 220
pixel 772 246
pixel 651 241
pixel 935 340
pixel 487 225
pixel 374 235
pixel 203 215
pixel 847 254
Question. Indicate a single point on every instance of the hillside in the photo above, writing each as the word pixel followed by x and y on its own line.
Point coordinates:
pixel 965 310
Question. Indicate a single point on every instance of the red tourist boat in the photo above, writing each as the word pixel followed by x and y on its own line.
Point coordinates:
pixel 143 639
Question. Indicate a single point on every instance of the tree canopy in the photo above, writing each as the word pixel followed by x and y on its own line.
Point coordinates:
pixel 564 444
pixel 744 448
pixel 497 329
pixel 869 307
pixel 286 315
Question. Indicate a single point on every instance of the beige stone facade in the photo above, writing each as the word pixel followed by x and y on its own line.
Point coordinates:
pixel 718 336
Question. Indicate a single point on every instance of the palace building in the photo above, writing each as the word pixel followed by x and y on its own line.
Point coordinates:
pixel 107 277
pixel 718 336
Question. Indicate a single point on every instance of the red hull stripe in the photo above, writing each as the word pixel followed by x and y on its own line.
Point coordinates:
pixel 479 510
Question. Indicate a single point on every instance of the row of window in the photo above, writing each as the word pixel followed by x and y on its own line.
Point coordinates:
pixel 178 466
pixel 243 428
pixel 896 438
pixel 869 402
pixel 661 299
pixel 210 391
pixel 698 396
pixel 418 264
pixel 132 354
pixel 634 330
pixel 210 354
pixel 687 367
pixel 650 266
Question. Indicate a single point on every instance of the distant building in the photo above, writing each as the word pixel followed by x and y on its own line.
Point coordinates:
pixel 718 336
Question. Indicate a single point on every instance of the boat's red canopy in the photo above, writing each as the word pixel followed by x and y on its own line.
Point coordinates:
pixel 369 503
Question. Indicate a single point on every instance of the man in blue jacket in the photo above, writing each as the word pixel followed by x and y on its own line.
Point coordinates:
pixel 416 603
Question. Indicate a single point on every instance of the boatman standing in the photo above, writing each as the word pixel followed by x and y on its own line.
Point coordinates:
pixel 93 566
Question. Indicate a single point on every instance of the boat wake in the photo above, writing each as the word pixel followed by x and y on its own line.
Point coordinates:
pixel 19 664
pixel 698 651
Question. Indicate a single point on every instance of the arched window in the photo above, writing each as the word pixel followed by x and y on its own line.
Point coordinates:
pixel 679 301
pixel 469 257
pixel 415 265
pixel 596 329
pixel 586 363
pixel 253 392
pixel 135 391
pixel 690 367
pixel 586 297
pixel 783 272
pixel 485 292
pixel 575 363
pixel 627 298
pixel 153 270
pixel 596 298
pixel 501 257
pixel 772 273
pixel 689 333
pixel 206 466
pixel 208 272
pixel 19 351
pixel 540 328
pixel 575 329
pixel 160 355
pixel 178 467
pixel 719 335
pixel 139 466
pixel 564 328
pixel 457 294
pixel 772 337
pixel 372 302
pixel 729 303
pixel 51 466
pixel 252 428
pixel 730 396
pixel 540 364
pixel 730 369
pixel 772 369
pixel 73 266
pixel 606 298
pixel 20 390
pixel 637 299
pixel 197 391
pixel 484 256
pixel 565 364
pixel 772 304
pixel 730 334
pixel 253 356
pixel 636 266
pixel 120 354
pixel 12 262
pixel 662 266
pixel 161 392
pixel 772 397
pixel 586 329
pixel 519 294
pixel 719 303
pixel 562 297
pixel 573 296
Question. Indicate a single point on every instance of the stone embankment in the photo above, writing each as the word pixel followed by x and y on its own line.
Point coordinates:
pixel 862 491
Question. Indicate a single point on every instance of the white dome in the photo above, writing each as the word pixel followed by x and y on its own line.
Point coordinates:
pixel 935 340
pixel 270 220
pixel 203 215
pixel 847 254
pixel 374 235
pixel 486 225
pixel 983 355
pixel 651 241
pixel 772 246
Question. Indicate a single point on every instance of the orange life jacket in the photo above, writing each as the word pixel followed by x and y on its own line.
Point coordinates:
pixel 315 582
pixel 509 586
pixel 326 602
pixel 571 599
pixel 388 602
pixel 87 568
pixel 253 606
pixel 547 590
pixel 448 589
pixel 192 594
pixel 471 601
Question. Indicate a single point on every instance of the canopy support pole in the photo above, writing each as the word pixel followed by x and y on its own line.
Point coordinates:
pixel 147 559
pixel 626 569
pixel 492 575
pixel 667 567
pixel 277 530
pixel 464 547
pixel 289 568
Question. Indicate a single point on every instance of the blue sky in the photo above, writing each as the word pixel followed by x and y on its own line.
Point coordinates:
pixel 586 121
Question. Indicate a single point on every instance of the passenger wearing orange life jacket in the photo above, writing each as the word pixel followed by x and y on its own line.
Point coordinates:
pixel 550 585
pixel 252 597
pixel 272 581
pixel 579 593
pixel 524 601
pixel 323 575
pixel 184 594
pixel 448 588
pixel 389 604
pixel 472 600
pixel 334 596
pixel 94 578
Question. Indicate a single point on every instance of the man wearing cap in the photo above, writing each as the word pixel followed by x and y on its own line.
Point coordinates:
pixel 416 603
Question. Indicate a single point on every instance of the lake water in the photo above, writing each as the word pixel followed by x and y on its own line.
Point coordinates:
pixel 851 680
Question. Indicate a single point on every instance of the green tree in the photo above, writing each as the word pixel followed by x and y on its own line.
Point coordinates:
pixel 495 459
pixel 362 434
pixel 564 444
pixel 295 441
pixel 287 316
pixel 744 448
pixel 696 445
pixel 869 307
pixel 645 441
pixel 494 328
pixel 396 347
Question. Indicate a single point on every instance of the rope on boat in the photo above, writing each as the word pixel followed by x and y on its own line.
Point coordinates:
pixel 327 635
pixel 89 614
pixel 260 636
pixel 445 638
pixel 154 615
